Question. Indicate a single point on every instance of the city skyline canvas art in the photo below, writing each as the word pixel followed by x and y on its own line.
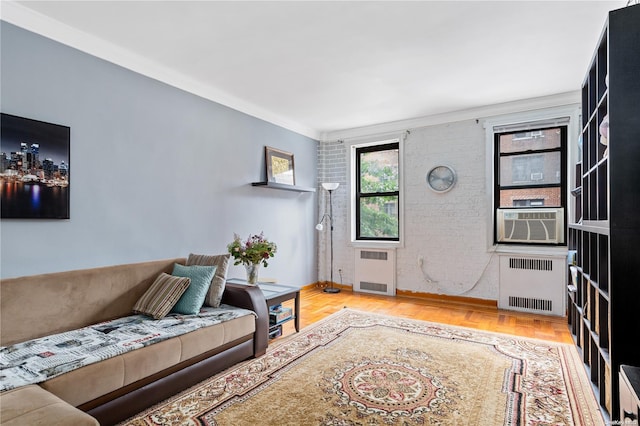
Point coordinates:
pixel 34 169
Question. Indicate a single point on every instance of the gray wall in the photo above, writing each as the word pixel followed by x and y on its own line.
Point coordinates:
pixel 155 172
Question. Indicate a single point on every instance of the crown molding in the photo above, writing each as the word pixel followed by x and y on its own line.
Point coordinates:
pixel 561 99
pixel 45 26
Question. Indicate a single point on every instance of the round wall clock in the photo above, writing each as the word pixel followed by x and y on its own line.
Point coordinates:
pixel 441 178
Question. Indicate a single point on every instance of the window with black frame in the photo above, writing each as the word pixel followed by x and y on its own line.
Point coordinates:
pixel 530 168
pixel 530 173
pixel 377 192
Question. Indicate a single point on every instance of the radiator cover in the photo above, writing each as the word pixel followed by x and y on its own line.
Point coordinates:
pixel 375 271
pixel 535 284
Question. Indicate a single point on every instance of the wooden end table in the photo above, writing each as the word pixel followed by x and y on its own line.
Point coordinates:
pixel 275 294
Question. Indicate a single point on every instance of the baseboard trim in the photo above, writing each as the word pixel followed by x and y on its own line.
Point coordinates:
pixel 325 284
pixel 444 298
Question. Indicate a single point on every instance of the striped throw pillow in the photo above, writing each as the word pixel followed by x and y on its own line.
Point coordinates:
pixel 221 262
pixel 158 300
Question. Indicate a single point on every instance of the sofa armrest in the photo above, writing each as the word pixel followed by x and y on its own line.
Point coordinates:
pixel 251 298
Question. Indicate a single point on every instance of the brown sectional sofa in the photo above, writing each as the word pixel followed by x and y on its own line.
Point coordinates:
pixel 118 387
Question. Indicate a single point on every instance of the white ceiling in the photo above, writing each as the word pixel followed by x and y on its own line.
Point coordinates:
pixel 318 67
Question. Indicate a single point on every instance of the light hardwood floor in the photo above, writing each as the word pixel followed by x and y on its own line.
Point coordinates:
pixel 316 304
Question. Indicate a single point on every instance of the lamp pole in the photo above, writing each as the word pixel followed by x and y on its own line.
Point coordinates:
pixel 331 289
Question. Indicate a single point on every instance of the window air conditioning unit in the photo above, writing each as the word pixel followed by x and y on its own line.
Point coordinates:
pixel 528 135
pixel 539 225
pixel 536 176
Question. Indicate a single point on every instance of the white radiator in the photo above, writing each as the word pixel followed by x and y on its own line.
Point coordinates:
pixel 534 284
pixel 375 271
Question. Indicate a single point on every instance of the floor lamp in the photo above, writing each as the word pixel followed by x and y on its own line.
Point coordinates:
pixel 329 187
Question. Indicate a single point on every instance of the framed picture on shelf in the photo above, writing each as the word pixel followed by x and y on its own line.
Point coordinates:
pixel 279 166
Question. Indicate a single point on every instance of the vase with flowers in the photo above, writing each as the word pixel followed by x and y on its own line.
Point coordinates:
pixel 256 250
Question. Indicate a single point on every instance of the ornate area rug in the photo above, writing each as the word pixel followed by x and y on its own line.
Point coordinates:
pixel 358 368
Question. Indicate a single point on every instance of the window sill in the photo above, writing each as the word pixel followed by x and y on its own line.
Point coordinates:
pixel 532 250
pixel 377 244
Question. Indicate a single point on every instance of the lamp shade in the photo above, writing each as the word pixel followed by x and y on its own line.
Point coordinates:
pixel 330 186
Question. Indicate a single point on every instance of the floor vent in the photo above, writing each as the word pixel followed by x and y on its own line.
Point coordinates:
pixel 529 303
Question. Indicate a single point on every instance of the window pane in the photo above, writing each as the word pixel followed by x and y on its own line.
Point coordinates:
pixel 379 171
pixel 379 217
pixel 531 197
pixel 531 169
pixel 533 140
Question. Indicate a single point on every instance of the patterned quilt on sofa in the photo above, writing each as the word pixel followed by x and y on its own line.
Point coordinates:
pixel 37 360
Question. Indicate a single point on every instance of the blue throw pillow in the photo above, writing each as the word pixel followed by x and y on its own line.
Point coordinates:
pixel 192 300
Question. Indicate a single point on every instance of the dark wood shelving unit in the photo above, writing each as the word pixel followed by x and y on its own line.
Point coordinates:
pixel 603 306
pixel 283 186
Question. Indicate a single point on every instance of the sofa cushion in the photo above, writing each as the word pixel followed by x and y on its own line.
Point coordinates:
pixel 204 339
pixel 32 405
pixel 82 385
pixel 158 300
pixel 55 356
pixel 89 382
pixel 193 298
pixel 221 262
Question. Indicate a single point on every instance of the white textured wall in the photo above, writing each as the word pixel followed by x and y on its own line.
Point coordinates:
pixel 447 245
pixel 447 231
pixel 333 167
